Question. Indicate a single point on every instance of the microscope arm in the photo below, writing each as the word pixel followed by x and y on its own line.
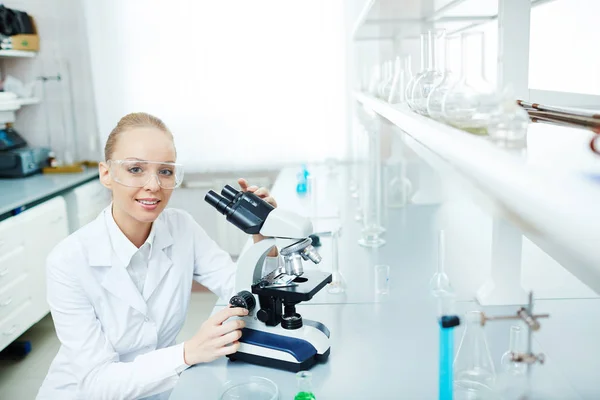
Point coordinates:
pixel 249 270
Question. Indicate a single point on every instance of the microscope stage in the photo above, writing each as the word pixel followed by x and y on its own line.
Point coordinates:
pixel 306 287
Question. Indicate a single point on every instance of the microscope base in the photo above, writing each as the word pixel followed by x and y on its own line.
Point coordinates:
pixel 280 364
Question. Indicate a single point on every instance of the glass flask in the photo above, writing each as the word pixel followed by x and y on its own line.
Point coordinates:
pixel 304 380
pixel 402 75
pixel 450 75
pixel 474 372
pixel 432 76
pixel 372 229
pixel 411 83
pixel 515 345
pixel 469 104
pixel 509 123
pixel 338 283
pixel 385 78
pixel 439 285
pixel 399 188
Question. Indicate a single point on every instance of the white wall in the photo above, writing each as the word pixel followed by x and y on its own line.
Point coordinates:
pixel 241 84
pixel 63 50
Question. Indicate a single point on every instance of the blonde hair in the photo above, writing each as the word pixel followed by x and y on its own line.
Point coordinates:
pixel 130 121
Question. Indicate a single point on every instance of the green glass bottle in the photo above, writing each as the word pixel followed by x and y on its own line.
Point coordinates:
pixel 304 386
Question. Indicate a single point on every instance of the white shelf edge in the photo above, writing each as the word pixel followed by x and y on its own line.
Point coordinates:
pixel 29 101
pixel 558 212
pixel 17 53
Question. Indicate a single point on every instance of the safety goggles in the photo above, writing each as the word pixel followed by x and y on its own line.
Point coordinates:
pixel 138 173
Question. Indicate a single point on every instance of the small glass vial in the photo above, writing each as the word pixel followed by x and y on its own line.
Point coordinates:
pixel 304 379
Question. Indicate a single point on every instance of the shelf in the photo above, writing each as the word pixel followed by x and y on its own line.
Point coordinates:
pixel 17 54
pixel 550 192
pixel 389 19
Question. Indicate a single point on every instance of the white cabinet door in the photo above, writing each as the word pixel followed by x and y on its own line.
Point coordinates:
pixel 85 202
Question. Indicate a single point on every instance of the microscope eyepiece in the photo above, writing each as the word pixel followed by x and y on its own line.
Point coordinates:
pixel 217 201
pixel 229 193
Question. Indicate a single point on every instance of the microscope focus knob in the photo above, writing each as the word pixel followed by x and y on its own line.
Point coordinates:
pixel 243 299
pixel 262 315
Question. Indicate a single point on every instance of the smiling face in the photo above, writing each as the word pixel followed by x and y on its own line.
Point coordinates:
pixel 136 206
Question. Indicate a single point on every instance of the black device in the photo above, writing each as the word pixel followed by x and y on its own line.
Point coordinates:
pixel 17 160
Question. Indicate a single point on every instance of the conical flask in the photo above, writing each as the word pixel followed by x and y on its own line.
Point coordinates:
pixel 439 285
pixel 473 366
pixel 415 77
pixel 304 379
pixel 433 74
pixel 402 75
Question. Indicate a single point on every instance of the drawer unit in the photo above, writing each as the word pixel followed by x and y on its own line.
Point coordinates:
pixel 13 265
pixel 15 295
pixel 12 235
pixel 17 322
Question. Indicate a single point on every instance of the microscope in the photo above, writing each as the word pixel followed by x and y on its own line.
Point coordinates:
pixel 275 334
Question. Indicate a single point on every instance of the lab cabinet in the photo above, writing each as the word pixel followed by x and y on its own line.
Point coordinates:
pixel 85 202
pixel 25 242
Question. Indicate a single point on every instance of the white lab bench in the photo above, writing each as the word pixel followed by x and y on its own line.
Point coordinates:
pixel 386 347
pixel 34 217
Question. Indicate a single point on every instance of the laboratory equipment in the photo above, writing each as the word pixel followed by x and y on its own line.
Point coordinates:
pixel 402 75
pixel 422 70
pixel 250 388
pixel 338 283
pixel 508 124
pixel 432 75
pixel 375 80
pixel 275 334
pixel 469 103
pixel 474 370
pixel 302 178
pixel 514 348
pixel 386 85
pixel 382 280
pixel 439 285
pixel 372 229
pixel 446 352
pixel 399 188
pixel 305 390
pixel 449 78
pixel 18 160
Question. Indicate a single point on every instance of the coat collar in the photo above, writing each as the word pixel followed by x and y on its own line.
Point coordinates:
pixel 116 279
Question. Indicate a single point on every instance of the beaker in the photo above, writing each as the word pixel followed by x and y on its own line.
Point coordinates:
pixel 382 279
pixel 338 284
pixel 509 122
pixel 469 104
pixel 402 75
pixel 422 70
pixel 450 76
pixel 439 285
pixel 305 390
pixel 515 345
pixel 473 366
pixel 432 76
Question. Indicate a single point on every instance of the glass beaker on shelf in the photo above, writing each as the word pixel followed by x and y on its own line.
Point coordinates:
pixel 402 75
pixel 469 104
pixel 473 366
pixel 424 62
pixel 450 76
pixel 431 77
pixel 509 122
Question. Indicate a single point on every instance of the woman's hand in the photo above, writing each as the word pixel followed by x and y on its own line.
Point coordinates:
pixel 212 339
pixel 264 194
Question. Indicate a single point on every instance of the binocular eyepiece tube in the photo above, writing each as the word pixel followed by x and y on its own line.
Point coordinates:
pixel 221 202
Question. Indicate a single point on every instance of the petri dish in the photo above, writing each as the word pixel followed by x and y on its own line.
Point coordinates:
pixel 250 388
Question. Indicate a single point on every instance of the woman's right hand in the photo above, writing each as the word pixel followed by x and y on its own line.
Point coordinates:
pixel 212 339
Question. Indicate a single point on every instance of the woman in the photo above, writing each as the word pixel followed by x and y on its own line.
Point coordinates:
pixel 119 287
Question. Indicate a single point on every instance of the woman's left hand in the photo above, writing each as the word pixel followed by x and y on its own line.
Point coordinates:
pixel 264 194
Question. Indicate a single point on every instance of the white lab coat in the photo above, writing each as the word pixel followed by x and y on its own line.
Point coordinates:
pixel 117 343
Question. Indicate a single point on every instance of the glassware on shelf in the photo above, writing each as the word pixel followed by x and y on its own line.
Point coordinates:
pixel 375 80
pixel 386 87
pixel 450 76
pixel 515 345
pixel 372 229
pixel 470 103
pixel 439 285
pixel 508 125
pixel 432 75
pixel 474 372
pixel 402 75
pixel 305 390
pixel 338 283
pixel 411 83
